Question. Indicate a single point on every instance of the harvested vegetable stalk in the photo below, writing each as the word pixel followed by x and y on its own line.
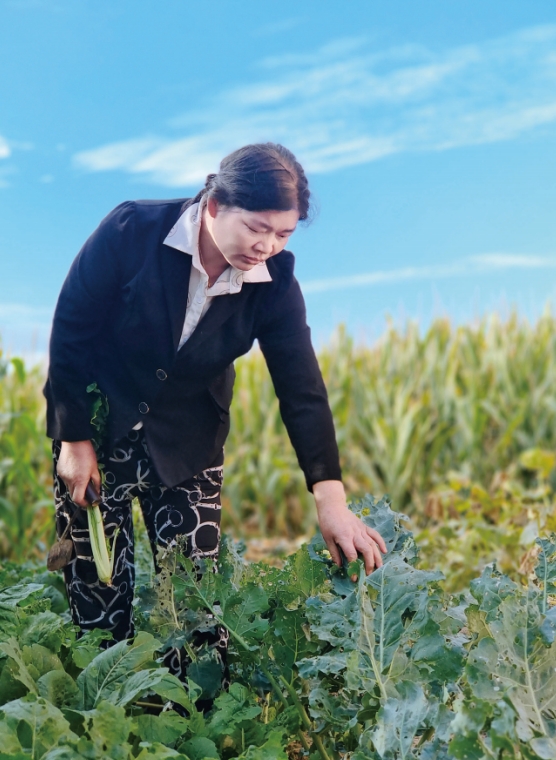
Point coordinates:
pixel 104 558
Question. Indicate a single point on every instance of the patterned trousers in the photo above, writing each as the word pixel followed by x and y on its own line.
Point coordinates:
pixel 191 508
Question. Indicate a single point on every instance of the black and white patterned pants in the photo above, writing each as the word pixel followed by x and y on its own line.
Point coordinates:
pixel 192 508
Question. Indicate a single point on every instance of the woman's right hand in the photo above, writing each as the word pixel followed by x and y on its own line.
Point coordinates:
pixel 77 465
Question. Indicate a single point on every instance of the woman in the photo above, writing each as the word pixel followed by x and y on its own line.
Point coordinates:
pixel 159 302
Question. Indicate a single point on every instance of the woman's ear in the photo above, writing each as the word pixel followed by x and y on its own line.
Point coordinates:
pixel 212 207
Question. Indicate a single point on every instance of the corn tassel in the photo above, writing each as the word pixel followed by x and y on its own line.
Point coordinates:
pixel 104 559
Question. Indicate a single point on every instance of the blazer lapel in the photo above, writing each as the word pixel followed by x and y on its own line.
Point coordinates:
pixel 221 309
pixel 175 269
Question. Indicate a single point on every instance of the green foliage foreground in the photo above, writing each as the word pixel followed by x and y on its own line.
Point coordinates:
pixel 389 667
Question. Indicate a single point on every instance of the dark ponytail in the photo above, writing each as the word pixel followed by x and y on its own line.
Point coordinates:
pixel 260 177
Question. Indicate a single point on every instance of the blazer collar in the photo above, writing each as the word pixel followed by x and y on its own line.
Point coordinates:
pixel 175 271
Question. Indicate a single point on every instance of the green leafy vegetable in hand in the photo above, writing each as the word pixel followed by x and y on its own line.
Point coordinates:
pixel 103 556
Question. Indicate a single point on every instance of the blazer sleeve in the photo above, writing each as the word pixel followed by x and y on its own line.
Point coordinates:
pixel 285 340
pixel 82 311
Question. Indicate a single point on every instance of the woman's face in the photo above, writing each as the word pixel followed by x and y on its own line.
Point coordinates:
pixel 245 238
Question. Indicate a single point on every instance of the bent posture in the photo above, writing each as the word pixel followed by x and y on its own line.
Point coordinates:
pixel 160 301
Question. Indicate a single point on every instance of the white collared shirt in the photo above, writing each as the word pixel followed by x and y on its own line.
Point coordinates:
pixel 184 236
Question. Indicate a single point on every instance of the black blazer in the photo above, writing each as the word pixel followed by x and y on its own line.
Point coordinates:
pixel 118 322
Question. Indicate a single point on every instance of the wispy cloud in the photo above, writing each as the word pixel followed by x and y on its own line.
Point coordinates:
pixel 5 151
pixel 471 265
pixel 346 104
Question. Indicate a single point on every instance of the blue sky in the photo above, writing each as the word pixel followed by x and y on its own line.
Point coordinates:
pixel 427 128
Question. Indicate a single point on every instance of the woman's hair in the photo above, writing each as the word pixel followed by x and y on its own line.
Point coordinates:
pixel 260 177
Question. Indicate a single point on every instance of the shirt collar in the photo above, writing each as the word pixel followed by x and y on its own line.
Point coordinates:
pixel 184 236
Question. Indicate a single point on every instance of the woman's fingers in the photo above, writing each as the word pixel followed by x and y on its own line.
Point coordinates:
pixel 363 545
pixel 371 554
pixel 367 543
pixel 378 557
pixel 377 538
pixel 334 553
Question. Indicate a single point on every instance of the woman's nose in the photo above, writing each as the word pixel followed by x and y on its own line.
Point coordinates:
pixel 264 247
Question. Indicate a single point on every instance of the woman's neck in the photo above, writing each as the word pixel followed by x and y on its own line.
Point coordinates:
pixel 212 260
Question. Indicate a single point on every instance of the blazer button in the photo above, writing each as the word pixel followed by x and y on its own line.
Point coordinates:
pixel 143 408
pixel 161 374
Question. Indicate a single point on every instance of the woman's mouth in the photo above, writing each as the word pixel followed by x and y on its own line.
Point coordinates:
pixel 252 261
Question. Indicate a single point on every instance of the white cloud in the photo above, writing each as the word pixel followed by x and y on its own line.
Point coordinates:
pixel 5 151
pixel 471 265
pixel 347 104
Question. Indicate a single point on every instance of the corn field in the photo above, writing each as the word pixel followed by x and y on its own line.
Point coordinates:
pixel 412 412
pixel 408 411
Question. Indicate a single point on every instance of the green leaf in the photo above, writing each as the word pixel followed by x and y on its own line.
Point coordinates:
pixel 138 683
pixel 544 747
pixel 241 613
pixel 165 728
pixel 207 671
pixel 272 749
pixel 11 649
pixel 171 688
pixel 398 721
pixel 109 729
pixel 491 589
pixel 200 748
pixel 335 620
pixel 40 660
pixel 105 676
pixel 44 726
pixel 467 748
pixel 159 752
pixel 379 515
pixel 86 648
pixel 8 738
pixel 516 664
pixel 291 639
pixel 13 601
pixel 58 687
pixel 332 712
pixel 302 576
pixel 470 716
pixel 545 569
pixel 64 753
pixel 46 629
pixel 502 728
pixel 398 589
pixel 232 709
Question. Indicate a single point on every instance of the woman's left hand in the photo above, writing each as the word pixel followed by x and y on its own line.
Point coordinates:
pixel 341 528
